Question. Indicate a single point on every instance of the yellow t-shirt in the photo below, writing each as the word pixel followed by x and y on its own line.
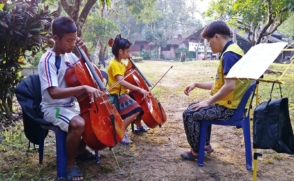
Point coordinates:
pixel 116 68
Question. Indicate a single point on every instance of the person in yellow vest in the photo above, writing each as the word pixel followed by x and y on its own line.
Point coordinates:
pixel 225 93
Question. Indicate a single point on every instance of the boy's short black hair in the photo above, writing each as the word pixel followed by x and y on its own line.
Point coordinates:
pixel 63 25
pixel 216 27
pixel 120 43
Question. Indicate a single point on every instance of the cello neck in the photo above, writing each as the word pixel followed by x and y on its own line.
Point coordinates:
pixel 91 68
pixel 134 65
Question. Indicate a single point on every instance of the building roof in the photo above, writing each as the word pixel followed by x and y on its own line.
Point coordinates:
pixel 195 34
pixel 174 41
pixel 179 37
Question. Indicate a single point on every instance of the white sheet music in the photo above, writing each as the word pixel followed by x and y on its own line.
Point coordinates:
pixel 256 61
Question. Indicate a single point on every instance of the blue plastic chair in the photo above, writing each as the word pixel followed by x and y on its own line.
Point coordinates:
pixel 236 120
pixel 60 139
pixel 60 136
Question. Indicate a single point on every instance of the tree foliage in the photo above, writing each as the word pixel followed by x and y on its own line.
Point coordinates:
pixel 103 24
pixel 132 18
pixel 98 31
pixel 142 9
pixel 259 18
pixel 98 28
pixel 79 10
pixel 23 26
pixel 287 27
pixel 174 16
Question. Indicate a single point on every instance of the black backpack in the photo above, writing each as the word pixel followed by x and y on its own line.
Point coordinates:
pixel 28 93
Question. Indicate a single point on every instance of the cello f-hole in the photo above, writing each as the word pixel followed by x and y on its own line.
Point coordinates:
pixel 96 108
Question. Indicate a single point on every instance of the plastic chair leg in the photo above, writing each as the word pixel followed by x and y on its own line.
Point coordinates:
pixel 247 141
pixel 97 157
pixel 208 132
pixel 60 151
pixel 132 125
pixel 203 129
pixel 41 144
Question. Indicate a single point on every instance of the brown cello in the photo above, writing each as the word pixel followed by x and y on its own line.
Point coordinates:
pixel 154 114
pixel 104 126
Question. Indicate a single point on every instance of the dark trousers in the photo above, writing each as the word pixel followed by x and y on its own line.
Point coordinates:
pixel 192 122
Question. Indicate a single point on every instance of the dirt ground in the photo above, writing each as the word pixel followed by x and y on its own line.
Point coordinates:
pixel 156 155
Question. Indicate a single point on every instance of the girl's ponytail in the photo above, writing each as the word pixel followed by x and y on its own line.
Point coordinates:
pixel 120 43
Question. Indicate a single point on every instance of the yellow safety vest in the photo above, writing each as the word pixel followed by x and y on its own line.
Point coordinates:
pixel 232 100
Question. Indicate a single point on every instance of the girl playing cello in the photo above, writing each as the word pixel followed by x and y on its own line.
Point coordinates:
pixel 129 109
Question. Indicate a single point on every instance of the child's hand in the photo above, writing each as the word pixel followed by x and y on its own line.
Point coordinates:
pixel 81 44
pixel 189 89
pixel 93 93
pixel 144 92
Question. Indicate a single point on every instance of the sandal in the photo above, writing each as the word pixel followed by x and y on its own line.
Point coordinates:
pixel 141 129
pixel 126 140
pixel 74 172
pixel 208 149
pixel 87 155
pixel 189 155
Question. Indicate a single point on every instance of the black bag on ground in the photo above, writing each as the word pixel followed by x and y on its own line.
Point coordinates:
pixel 28 93
pixel 272 126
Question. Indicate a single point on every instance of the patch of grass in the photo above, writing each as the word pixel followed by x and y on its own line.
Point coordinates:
pixel 15 165
pixel 269 161
pixel 239 131
pixel 277 156
pixel 107 168
pixel 13 137
pixel 161 140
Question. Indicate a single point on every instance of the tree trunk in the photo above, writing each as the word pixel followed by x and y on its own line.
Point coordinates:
pixel 183 57
pixel 101 51
pixel 59 9
pixel 234 35
pixel 196 50
pixel 73 9
pixel 205 49
pixel 159 52
pixel 5 106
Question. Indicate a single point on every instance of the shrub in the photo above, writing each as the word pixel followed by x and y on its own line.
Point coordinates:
pixel 189 54
pixel 23 27
pixel 145 54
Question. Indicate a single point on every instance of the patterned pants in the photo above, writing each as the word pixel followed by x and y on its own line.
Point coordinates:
pixel 192 121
